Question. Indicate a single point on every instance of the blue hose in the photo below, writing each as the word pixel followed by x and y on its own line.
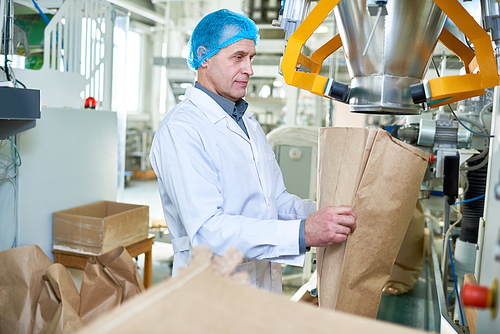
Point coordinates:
pixel 15 153
pixel 451 295
pixel 470 199
pixel 455 281
pixel 47 20
pixel 42 14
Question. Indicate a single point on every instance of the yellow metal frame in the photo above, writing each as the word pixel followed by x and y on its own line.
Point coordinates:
pixel 293 56
pixel 481 68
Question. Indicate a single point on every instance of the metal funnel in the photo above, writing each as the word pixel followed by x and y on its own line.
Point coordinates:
pixel 397 56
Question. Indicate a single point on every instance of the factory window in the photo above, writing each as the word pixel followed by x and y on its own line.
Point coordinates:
pixel 127 67
pixel 133 64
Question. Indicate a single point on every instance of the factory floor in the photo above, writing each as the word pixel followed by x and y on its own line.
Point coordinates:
pixel 415 308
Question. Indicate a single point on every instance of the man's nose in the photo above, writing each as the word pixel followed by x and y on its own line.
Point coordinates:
pixel 247 67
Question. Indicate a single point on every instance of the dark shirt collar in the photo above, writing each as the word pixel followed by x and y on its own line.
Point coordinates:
pixel 235 110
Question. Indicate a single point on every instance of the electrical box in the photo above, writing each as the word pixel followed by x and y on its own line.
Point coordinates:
pixel 19 110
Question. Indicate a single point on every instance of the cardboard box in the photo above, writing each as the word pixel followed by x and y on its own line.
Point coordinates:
pixel 99 227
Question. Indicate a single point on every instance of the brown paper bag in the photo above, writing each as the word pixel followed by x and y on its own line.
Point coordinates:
pixel 108 280
pixel 410 260
pixel 335 161
pixel 380 177
pixel 58 304
pixel 21 271
pixel 203 299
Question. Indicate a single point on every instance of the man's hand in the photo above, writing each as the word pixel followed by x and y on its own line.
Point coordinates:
pixel 329 225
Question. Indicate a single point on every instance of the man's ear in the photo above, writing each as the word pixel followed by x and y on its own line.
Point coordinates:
pixel 201 52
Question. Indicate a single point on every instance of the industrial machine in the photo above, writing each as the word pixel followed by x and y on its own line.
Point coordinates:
pixel 389 46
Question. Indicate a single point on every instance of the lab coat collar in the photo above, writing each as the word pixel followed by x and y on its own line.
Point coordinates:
pixel 206 104
pixel 214 111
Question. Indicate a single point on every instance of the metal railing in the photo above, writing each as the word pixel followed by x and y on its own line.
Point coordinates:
pixel 79 39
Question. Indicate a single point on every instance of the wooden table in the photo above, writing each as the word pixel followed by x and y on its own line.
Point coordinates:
pixel 78 260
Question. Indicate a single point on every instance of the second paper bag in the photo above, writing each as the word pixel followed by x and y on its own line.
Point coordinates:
pixel 380 177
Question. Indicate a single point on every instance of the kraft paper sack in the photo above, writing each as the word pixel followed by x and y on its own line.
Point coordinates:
pixel 58 304
pixel 21 271
pixel 410 260
pixel 39 297
pixel 206 298
pixel 108 280
pixel 380 177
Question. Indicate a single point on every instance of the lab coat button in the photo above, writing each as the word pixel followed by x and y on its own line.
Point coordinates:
pixel 274 273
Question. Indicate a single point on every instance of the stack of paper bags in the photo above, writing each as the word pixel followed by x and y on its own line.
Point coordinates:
pixel 380 177
pixel 37 296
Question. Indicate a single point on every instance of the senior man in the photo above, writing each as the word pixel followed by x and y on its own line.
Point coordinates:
pixel 218 178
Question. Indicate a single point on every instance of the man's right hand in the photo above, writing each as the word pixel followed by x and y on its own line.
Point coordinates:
pixel 329 226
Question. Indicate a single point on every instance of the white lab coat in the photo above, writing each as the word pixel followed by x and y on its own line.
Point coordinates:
pixel 220 188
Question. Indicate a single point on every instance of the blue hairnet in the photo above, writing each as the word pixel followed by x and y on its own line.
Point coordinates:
pixel 216 31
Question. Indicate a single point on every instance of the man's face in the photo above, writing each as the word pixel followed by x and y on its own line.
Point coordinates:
pixel 227 72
